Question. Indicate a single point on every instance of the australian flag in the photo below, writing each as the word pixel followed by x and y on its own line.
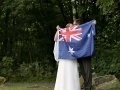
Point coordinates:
pixel 77 42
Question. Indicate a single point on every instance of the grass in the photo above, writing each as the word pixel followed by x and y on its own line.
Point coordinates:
pixel 34 86
pixel 27 86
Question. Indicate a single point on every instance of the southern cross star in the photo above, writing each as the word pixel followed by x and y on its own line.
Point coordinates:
pixel 88 35
pixel 71 50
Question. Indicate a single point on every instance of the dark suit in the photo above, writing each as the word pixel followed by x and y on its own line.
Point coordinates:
pixel 86 71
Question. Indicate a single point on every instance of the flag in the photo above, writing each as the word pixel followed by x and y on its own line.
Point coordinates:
pixel 76 42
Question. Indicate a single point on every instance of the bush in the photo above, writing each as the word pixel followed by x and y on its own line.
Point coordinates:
pixel 37 71
pixel 7 67
pixel 107 61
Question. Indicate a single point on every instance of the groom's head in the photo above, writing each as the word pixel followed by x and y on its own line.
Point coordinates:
pixel 76 22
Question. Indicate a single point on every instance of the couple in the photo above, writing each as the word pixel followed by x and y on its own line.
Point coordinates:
pixel 68 74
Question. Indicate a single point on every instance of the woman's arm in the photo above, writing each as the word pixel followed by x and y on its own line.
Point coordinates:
pixel 56 34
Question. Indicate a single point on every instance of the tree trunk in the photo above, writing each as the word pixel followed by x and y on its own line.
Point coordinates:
pixel 5 41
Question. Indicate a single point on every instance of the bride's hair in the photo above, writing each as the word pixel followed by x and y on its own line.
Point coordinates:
pixel 68 25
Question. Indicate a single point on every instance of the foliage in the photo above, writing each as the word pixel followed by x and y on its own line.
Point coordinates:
pixel 107 61
pixel 107 41
pixel 26 36
pixel 107 6
pixel 7 64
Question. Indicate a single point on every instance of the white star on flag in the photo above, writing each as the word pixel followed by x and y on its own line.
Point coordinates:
pixel 88 35
pixel 71 50
pixel 92 32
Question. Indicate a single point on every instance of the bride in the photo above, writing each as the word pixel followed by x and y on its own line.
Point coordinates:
pixel 67 75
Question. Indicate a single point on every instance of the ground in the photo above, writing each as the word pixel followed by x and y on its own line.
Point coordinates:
pixel 27 86
pixel 33 86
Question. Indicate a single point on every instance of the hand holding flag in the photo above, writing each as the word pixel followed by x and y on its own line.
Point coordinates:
pixel 57 27
pixel 94 22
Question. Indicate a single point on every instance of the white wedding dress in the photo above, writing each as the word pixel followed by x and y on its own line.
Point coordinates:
pixel 67 75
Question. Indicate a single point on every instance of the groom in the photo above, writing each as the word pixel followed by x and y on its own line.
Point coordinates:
pixel 85 65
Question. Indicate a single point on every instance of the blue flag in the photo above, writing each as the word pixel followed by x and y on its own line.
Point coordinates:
pixel 77 42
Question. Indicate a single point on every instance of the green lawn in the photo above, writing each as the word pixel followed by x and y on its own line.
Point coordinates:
pixel 33 86
pixel 27 86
